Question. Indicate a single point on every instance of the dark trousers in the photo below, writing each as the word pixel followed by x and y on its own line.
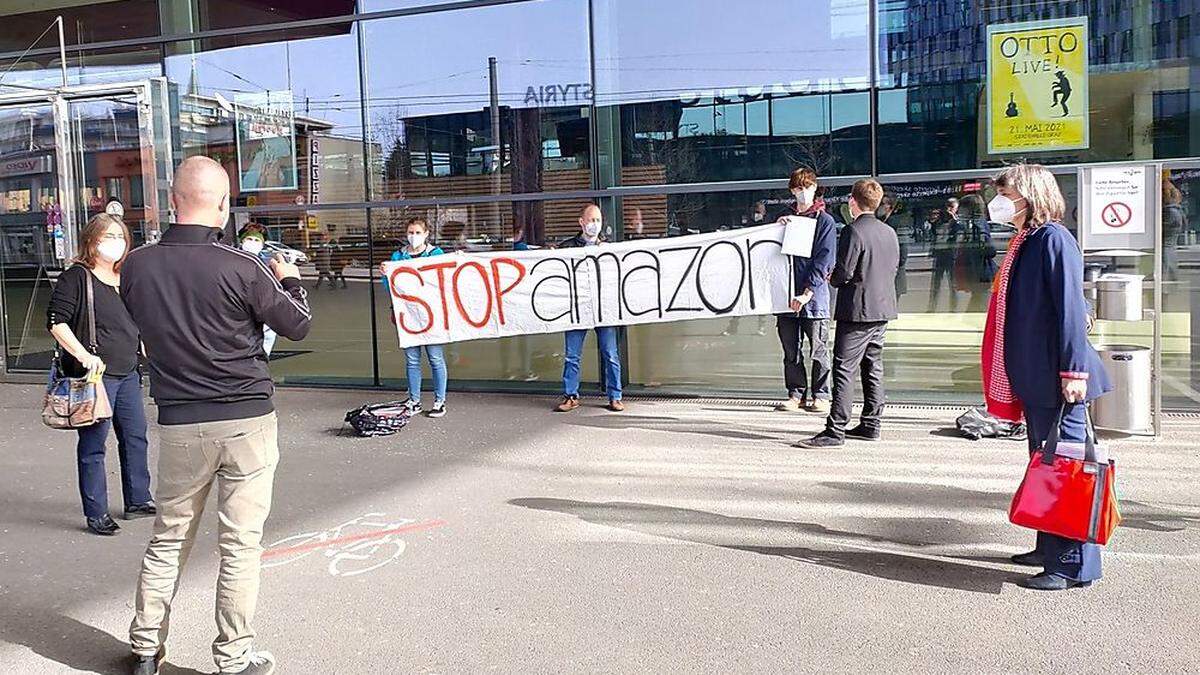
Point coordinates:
pixel 857 348
pixel 129 421
pixel 794 333
pixel 1067 558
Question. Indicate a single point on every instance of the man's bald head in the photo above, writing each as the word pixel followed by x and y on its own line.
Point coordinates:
pixel 200 192
pixel 591 222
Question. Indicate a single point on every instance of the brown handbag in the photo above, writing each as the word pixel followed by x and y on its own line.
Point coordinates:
pixel 76 402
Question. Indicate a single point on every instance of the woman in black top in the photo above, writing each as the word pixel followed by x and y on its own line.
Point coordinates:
pixel 112 351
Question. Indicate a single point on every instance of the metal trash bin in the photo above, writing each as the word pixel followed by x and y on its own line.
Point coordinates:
pixel 1120 297
pixel 1127 407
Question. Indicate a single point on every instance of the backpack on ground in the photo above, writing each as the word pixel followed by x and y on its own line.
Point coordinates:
pixel 379 419
pixel 977 423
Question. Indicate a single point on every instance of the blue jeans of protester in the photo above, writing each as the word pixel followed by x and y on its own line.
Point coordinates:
pixel 609 357
pixel 437 365
pixel 1067 558
pixel 129 421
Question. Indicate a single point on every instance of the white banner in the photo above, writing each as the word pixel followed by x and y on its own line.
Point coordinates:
pixel 458 296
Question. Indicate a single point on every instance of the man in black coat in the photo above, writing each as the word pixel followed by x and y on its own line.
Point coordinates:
pixel 865 276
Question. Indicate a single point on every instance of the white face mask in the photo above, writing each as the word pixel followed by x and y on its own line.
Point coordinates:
pixel 591 229
pixel 1002 209
pixel 111 249
pixel 805 197
pixel 252 245
pixel 417 240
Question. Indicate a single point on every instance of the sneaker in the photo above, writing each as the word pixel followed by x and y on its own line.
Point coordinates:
pixel 790 405
pixel 146 665
pixel 261 663
pixel 825 439
pixel 104 526
pixel 438 409
pixel 818 405
pixel 413 407
pixel 568 404
pixel 147 510
pixel 616 405
pixel 862 433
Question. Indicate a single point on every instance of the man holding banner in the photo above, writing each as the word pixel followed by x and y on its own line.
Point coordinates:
pixel 591 223
pixel 809 318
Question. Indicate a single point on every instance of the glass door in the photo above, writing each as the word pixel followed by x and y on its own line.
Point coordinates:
pixel 64 156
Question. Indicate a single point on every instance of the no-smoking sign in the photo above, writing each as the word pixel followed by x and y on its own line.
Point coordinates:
pixel 1117 201
pixel 1116 214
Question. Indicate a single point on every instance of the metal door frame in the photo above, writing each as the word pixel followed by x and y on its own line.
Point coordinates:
pixel 156 162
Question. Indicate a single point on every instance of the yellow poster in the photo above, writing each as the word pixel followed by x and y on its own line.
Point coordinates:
pixel 1037 86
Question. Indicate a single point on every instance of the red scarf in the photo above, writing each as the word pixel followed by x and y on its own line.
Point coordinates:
pixel 1001 402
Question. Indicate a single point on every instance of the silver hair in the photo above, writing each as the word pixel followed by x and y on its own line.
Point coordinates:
pixel 1044 202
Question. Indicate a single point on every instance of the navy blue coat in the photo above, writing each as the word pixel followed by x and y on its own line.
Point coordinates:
pixel 1045 328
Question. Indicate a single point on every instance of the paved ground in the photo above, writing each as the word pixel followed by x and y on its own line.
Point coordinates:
pixel 678 537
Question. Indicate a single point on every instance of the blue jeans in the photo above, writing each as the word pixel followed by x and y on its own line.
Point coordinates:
pixel 129 421
pixel 1067 558
pixel 437 365
pixel 610 358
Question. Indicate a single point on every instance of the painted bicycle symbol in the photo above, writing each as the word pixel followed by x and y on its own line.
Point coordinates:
pixel 357 546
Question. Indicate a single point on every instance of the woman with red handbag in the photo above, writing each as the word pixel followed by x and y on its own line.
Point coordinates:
pixel 1036 352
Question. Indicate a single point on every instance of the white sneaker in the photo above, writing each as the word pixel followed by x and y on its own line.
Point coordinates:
pixel 790 405
pixel 438 409
pixel 260 663
pixel 413 407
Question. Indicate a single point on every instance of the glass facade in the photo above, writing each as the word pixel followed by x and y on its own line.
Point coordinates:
pixel 496 118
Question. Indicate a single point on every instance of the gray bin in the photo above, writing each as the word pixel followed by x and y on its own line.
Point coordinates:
pixel 1127 407
pixel 1120 297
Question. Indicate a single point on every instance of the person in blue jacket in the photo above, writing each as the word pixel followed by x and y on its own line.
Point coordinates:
pixel 806 371
pixel 417 233
pixel 1048 363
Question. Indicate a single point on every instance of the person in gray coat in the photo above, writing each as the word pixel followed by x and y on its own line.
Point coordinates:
pixel 865 276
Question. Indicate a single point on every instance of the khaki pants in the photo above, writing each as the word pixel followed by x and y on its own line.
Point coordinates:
pixel 240 457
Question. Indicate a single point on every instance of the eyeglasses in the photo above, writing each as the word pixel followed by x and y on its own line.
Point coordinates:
pixel 113 237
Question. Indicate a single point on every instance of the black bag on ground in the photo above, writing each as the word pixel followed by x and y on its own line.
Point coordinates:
pixel 379 419
pixel 976 423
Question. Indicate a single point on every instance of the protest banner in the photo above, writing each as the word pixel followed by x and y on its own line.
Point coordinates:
pixel 460 296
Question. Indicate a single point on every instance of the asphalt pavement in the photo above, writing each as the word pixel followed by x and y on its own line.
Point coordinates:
pixel 679 536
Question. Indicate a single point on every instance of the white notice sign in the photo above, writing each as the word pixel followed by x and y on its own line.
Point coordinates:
pixel 798 235
pixel 1118 201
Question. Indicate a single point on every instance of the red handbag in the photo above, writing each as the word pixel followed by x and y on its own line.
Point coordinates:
pixel 1070 497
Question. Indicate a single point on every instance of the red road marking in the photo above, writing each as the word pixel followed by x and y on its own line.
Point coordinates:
pixel 1117 214
pixel 429 524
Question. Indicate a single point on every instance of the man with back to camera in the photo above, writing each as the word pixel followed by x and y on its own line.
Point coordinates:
pixel 201 307
pixel 591 224
pixel 865 276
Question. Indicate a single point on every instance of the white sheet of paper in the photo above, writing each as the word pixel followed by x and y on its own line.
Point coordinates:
pixel 798 235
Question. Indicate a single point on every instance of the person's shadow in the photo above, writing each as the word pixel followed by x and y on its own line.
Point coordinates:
pixel 714 529
pixel 72 643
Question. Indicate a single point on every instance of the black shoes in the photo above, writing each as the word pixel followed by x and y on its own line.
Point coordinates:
pixel 825 439
pixel 862 433
pixel 104 526
pixel 147 665
pixel 1052 582
pixel 147 510
pixel 1030 559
